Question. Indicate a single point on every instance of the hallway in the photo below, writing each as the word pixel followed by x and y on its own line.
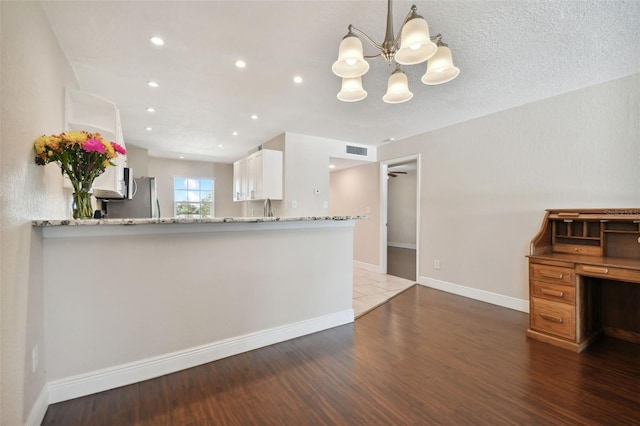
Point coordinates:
pixel 401 262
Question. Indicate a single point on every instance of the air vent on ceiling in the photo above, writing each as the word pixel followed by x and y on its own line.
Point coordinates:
pixel 357 150
pixel 256 149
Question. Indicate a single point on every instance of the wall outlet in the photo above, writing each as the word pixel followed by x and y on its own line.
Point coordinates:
pixel 34 358
pixel 294 204
pixel 436 264
pixel 326 204
pixel 368 210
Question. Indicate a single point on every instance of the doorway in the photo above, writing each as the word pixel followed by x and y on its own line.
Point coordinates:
pixel 400 181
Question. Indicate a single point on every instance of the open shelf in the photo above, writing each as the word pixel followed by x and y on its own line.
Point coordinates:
pixel 564 237
pixel 622 227
pixel 611 231
pixel 577 236
pixel 569 228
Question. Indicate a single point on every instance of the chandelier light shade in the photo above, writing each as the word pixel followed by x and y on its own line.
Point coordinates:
pixel 352 90
pixel 350 61
pixel 413 45
pixel 440 67
pixel 397 88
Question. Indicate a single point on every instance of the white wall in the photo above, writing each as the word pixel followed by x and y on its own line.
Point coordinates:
pixel 34 74
pixel 356 191
pixel 164 170
pixel 401 210
pixel 306 163
pixel 138 160
pixel 486 182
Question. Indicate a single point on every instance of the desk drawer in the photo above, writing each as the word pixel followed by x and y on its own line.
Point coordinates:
pixel 554 318
pixel 552 274
pixel 621 274
pixel 577 249
pixel 558 293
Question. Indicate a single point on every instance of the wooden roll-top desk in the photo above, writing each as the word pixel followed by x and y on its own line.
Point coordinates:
pixel 584 277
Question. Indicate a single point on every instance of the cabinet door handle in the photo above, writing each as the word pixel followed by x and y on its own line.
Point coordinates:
pixel 548 274
pixel 595 269
pixel 551 318
pixel 553 293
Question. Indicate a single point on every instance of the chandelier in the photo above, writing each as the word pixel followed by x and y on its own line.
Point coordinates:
pixel 413 45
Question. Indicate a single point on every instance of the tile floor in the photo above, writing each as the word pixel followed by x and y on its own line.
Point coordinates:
pixel 371 289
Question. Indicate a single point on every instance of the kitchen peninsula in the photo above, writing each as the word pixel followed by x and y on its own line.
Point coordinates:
pixel 126 300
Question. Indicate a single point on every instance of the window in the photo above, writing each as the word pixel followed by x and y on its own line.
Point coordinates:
pixel 193 197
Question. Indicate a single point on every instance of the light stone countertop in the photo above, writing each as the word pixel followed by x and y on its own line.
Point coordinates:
pixel 175 220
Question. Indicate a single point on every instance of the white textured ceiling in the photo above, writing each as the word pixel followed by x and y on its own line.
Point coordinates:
pixel 510 53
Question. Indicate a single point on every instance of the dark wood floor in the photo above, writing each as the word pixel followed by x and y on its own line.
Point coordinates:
pixel 425 357
pixel 401 262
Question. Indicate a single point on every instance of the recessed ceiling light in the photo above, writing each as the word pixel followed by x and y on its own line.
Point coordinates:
pixel 182 157
pixel 235 133
pixel 332 166
pixel 297 79
pixel 240 63
pixel 220 145
pixel 148 129
pixel 150 109
pixel 157 41
pixel 254 117
pixel 152 84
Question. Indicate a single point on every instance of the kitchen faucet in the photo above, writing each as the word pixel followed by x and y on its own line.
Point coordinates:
pixel 267 208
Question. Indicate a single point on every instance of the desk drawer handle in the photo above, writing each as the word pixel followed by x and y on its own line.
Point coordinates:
pixel 554 275
pixel 552 292
pixel 595 269
pixel 551 318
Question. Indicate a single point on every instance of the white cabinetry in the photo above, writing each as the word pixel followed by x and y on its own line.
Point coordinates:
pixel 86 111
pixel 258 176
pixel 240 180
pixel 265 175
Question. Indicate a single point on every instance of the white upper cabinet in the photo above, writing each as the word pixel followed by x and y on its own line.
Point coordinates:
pixel 86 111
pixel 258 176
pixel 240 180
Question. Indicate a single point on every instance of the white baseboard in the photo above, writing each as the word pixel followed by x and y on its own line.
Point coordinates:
pixel 474 293
pixel 367 267
pixel 402 245
pixel 125 374
pixel 39 409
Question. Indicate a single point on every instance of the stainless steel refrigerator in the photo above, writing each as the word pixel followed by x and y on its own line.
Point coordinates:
pixel 144 202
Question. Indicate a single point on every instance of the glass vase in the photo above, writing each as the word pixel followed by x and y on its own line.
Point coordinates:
pixel 82 208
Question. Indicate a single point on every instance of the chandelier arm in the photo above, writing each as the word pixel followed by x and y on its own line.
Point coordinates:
pixel 372 56
pixel 366 37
